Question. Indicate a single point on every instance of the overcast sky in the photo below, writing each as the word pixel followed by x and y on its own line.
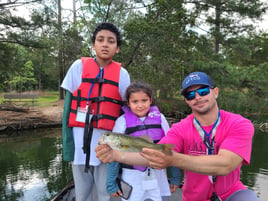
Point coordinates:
pixel 67 4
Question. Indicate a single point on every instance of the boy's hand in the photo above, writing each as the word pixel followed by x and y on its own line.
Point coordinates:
pixel 104 153
pixel 173 188
pixel 117 194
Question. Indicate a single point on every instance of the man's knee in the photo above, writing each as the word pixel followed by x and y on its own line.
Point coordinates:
pixel 243 195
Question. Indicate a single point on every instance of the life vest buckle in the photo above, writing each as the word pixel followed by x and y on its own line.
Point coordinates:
pixel 141 127
pixel 101 80
pixel 100 98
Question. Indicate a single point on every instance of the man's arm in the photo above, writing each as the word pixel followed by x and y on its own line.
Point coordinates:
pixel 221 164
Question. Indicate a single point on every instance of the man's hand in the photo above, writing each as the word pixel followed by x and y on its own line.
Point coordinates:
pixel 157 159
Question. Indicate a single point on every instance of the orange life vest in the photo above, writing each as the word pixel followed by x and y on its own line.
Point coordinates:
pixel 104 101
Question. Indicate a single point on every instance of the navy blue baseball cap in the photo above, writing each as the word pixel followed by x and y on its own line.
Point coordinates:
pixel 196 78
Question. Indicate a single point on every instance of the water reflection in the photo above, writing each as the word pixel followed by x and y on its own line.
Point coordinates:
pixel 255 176
pixel 31 166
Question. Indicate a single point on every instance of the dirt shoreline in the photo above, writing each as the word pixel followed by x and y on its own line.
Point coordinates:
pixel 31 117
pixel 42 117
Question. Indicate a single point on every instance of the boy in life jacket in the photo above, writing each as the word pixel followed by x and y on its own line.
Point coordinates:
pixel 141 118
pixel 95 88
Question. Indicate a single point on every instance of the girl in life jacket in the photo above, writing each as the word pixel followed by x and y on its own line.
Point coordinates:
pixel 141 118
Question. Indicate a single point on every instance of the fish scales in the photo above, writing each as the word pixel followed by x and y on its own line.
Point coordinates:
pixel 129 143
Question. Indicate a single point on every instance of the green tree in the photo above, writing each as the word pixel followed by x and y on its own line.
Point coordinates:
pixel 38 38
pixel 259 46
pixel 160 42
pixel 160 49
pixel 24 79
pixel 224 16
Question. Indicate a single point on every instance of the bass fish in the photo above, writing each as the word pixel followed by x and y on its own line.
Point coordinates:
pixel 129 143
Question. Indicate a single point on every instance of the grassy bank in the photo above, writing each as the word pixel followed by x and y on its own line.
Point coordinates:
pixel 236 102
pixel 45 99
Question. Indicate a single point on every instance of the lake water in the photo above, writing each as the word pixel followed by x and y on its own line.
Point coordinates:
pixel 31 166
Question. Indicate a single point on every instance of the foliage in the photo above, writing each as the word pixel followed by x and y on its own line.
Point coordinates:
pixel 160 56
pixel 160 45
pixel 223 17
pixel 24 80
pixel 244 89
pixel 250 50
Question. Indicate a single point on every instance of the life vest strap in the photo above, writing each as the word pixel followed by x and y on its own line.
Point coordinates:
pixel 96 99
pixel 141 127
pixel 96 117
pixel 99 99
pixel 99 80
pixel 103 98
pixel 88 131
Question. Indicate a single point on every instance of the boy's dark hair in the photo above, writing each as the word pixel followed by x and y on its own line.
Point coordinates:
pixel 140 86
pixel 110 27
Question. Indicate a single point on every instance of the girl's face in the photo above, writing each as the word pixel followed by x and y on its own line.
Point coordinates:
pixel 139 103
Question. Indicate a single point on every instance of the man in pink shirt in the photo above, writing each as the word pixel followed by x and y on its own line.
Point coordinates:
pixel 210 146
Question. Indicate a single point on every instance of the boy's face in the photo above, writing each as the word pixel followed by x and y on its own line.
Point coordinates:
pixel 105 45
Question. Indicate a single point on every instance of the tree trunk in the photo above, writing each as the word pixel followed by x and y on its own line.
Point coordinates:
pixel 217 29
pixel 60 56
pixel 74 12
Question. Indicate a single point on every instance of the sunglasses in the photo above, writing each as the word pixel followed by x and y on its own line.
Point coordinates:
pixel 190 95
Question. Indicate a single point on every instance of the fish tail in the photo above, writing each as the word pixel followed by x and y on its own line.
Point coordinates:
pixel 167 148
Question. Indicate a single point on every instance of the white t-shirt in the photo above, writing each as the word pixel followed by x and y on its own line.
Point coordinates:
pixel 71 82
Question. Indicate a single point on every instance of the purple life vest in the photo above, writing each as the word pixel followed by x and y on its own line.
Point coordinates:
pixel 151 126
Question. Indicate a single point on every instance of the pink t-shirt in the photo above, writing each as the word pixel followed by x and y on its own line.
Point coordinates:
pixel 234 133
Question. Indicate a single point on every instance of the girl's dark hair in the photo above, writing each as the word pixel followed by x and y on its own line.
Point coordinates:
pixel 137 87
pixel 110 27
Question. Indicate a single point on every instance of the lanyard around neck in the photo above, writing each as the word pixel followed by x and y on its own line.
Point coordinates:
pixel 100 74
pixel 206 136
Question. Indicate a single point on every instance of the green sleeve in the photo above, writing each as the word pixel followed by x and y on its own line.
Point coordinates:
pixel 175 175
pixel 67 132
pixel 112 174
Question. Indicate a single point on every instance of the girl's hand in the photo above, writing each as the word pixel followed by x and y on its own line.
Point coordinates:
pixel 104 153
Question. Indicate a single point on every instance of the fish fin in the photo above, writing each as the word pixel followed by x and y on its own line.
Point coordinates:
pixel 124 147
pixel 167 148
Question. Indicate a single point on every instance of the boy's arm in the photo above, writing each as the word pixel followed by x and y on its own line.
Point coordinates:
pixel 67 132
pixel 174 178
pixel 175 175
pixel 112 174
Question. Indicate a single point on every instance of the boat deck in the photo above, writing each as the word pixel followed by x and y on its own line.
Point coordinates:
pixel 67 194
pixel 177 196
